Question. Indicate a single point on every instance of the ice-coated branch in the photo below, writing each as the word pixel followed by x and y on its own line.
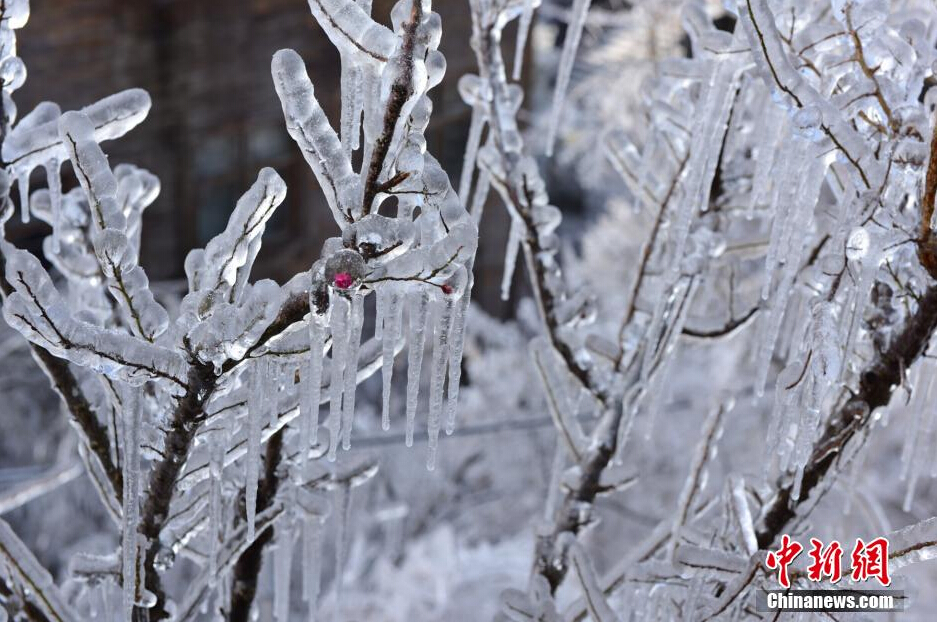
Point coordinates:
pixel 36 309
pixel 514 175
pixel 419 259
pixel 220 271
pixel 214 375
pixel 309 127
pixel 92 432
pixel 32 144
pixel 912 544
pixel 593 594
pixel 247 569
pixel 401 91
pixel 353 31
pixel 517 178
pixel 200 386
pixel 20 143
pixel 878 381
pixel 55 477
pixel 127 281
pixel 927 244
pixel 33 582
pixel 705 448
pixel 766 44
pixel 36 141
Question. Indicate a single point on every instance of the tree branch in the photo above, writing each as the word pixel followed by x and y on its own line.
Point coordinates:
pixel 400 91
pixel 927 243
pixel 876 385
pixel 201 384
pixel 247 569
pixel 82 413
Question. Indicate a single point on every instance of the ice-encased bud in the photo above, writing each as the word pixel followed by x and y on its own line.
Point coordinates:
pixel 16 13
pixel 454 286
pixel 807 120
pixel 381 238
pixel 857 246
pixel 472 89
pixel 12 73
pixel 345 269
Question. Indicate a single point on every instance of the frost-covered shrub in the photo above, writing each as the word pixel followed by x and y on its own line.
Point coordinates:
pixel 202 430
pixel 714 365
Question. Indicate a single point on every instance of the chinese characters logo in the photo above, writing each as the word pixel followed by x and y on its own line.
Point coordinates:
pixel 869 560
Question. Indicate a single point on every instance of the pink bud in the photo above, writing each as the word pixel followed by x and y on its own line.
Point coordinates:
pixel 343 280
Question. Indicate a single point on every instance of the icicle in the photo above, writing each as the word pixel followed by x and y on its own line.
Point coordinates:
pixel 782 208
pixel 599 609
pixel 438 376
pixel 274 374
pixel 787 395
pixel 523 29
pixel 351 111
pixel 54 180
pixel 256 399
pixel 312 564
pixel 282 565
pixel 791 247
pixel 351 369
pixel 471 151
pixel 806 434
pixel 743 514
pixel 695 479
pixel 219 443
pixel 921 412
pixel 380 310
pixel 864 251
pixel 579 12
pixel 852 481
pixel 658 389
pixel 481 195
pixel 389 343
pixel 510 257
pixel 341 537
pixel 340 332
pixel 311 390
pixel 556 475
pixel 716 101
pixel 765 155
pixel 418 307
pixel 456 349
pixel 22 181
pixel 105 602
pixel 131 509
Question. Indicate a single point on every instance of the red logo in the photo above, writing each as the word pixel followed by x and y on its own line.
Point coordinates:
pixel 869 560
pixel 827 562
pixel 781 559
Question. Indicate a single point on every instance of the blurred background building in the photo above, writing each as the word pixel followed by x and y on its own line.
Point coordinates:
pixel 216 119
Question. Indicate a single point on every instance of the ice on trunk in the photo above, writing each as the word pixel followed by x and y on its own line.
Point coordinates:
pixel 257 399
pixel 130 549
pixel 282 570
